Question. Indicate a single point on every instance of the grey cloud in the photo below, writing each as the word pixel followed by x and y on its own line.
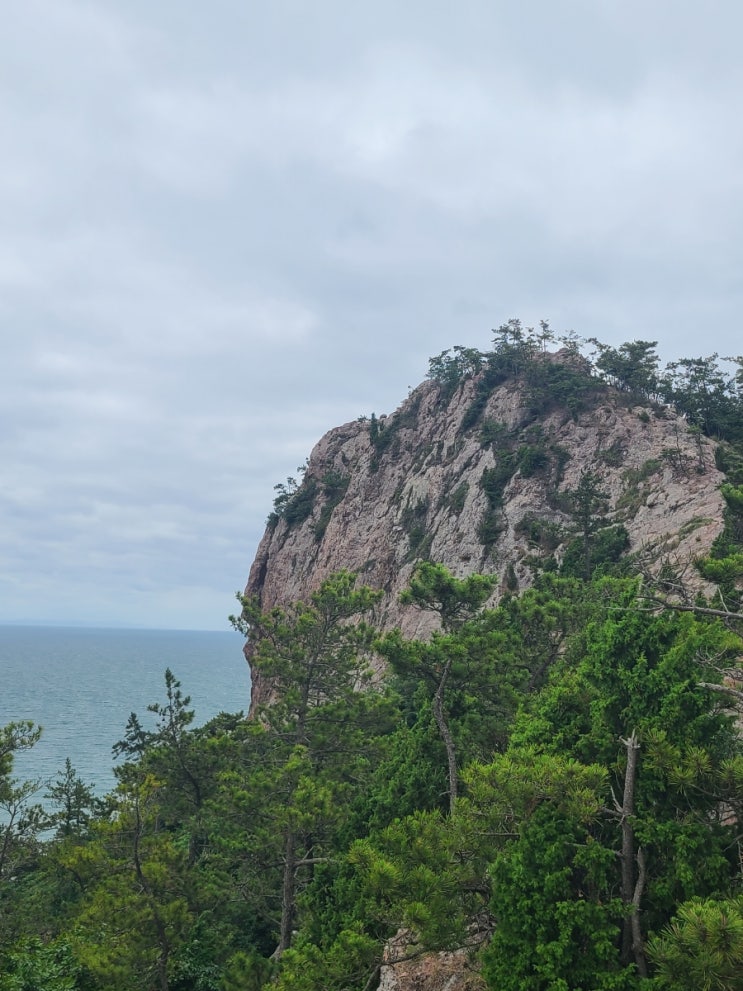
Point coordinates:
pixel 230 227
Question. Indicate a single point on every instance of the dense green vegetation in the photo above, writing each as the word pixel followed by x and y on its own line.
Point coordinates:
pixel 555 783
pixel 707 390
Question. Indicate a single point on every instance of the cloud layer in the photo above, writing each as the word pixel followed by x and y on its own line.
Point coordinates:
pixel 227 229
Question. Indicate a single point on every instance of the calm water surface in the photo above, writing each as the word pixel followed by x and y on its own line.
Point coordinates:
pixel 81 685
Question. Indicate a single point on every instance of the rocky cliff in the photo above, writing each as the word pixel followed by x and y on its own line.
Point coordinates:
pixel 482 477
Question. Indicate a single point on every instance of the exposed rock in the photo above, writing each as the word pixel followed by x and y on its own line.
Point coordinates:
pixel 404 970
pixel 389 492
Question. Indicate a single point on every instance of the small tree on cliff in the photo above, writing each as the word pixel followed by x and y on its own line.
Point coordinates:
pixel 455 600
pixel 588 502
pixel 314 656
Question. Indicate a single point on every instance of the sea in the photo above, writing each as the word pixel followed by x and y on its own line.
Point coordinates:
pixel 80 685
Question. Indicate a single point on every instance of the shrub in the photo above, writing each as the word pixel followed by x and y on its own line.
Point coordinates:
pixel 607 546
pixel 457 498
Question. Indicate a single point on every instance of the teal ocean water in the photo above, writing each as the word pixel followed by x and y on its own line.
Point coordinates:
pixel 81 685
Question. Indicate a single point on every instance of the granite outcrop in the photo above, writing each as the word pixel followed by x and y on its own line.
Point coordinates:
pixel 484 480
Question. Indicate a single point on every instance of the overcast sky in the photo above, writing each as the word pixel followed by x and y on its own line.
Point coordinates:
pixel 227 227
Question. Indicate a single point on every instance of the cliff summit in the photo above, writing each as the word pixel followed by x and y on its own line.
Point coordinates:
pixel 503 468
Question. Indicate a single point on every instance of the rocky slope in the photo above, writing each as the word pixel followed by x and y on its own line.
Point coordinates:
pixel 479 478
pixel 403 969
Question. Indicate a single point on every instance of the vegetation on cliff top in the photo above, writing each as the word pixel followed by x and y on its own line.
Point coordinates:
pixel 551 372
pixel 708 394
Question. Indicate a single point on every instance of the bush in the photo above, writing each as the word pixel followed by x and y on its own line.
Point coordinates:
pixel 606 548
pixel 543 533
pixel 493 481
pixel 489 528
pixel 457 498
pixel 532 459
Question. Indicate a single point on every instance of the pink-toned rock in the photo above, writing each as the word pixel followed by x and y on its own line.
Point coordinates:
pixel 403 969
pixel 418 493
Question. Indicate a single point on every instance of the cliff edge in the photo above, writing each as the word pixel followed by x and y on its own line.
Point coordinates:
pixel 482 475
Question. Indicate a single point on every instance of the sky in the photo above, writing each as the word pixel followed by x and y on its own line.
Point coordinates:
pixel 226 228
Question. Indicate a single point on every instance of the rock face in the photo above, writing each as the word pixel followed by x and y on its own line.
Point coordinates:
pixel 481 481
pixel 404 970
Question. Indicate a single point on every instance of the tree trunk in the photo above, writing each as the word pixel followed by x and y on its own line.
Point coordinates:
pixel 440 717
pixel 632 886
pixel 638 948
pixel 287 894
pixel 587 554
pixel 162 936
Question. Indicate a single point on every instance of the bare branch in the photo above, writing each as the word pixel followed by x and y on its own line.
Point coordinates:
pixel 725 690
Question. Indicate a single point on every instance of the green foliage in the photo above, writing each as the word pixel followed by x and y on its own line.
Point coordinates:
pixel 21 820
pixel 634 670
pixel 541 533
pixel 135 913
pixel 384 433
pixel 301 504
pixel 532 459
pixel 489 528
pixel 495 433
pixel 613 456
pixel 310 652
pixel 413 522
pixel 545 937
pixel 411 774
pixel 733 496
pixel 295 500
pixel 415 876
pixel 375 428
pixel 557 384
pixel 346 964
pixel 632 367
pixel 433 587
pixel 474 411
pixel 723 571
pixel 536 455
pixel 708 395
pixel 724 566
pixel 476 796
pixel 702 948
pixel 729 460
pixel 607 547
pixel 476 670
pixel 169 753
pixel 314 657
pixel 74 801
pixel 627 667
pixel 494 480
pixel 455 600
pixel 634 479
pixel 334 485
pixel 456 499
pixel 555 918
pixel 450 368
pixel 14 738
pixel 519 352
pixel 514 346
pixel 33 965
pixel 587 503
pixel 247 971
